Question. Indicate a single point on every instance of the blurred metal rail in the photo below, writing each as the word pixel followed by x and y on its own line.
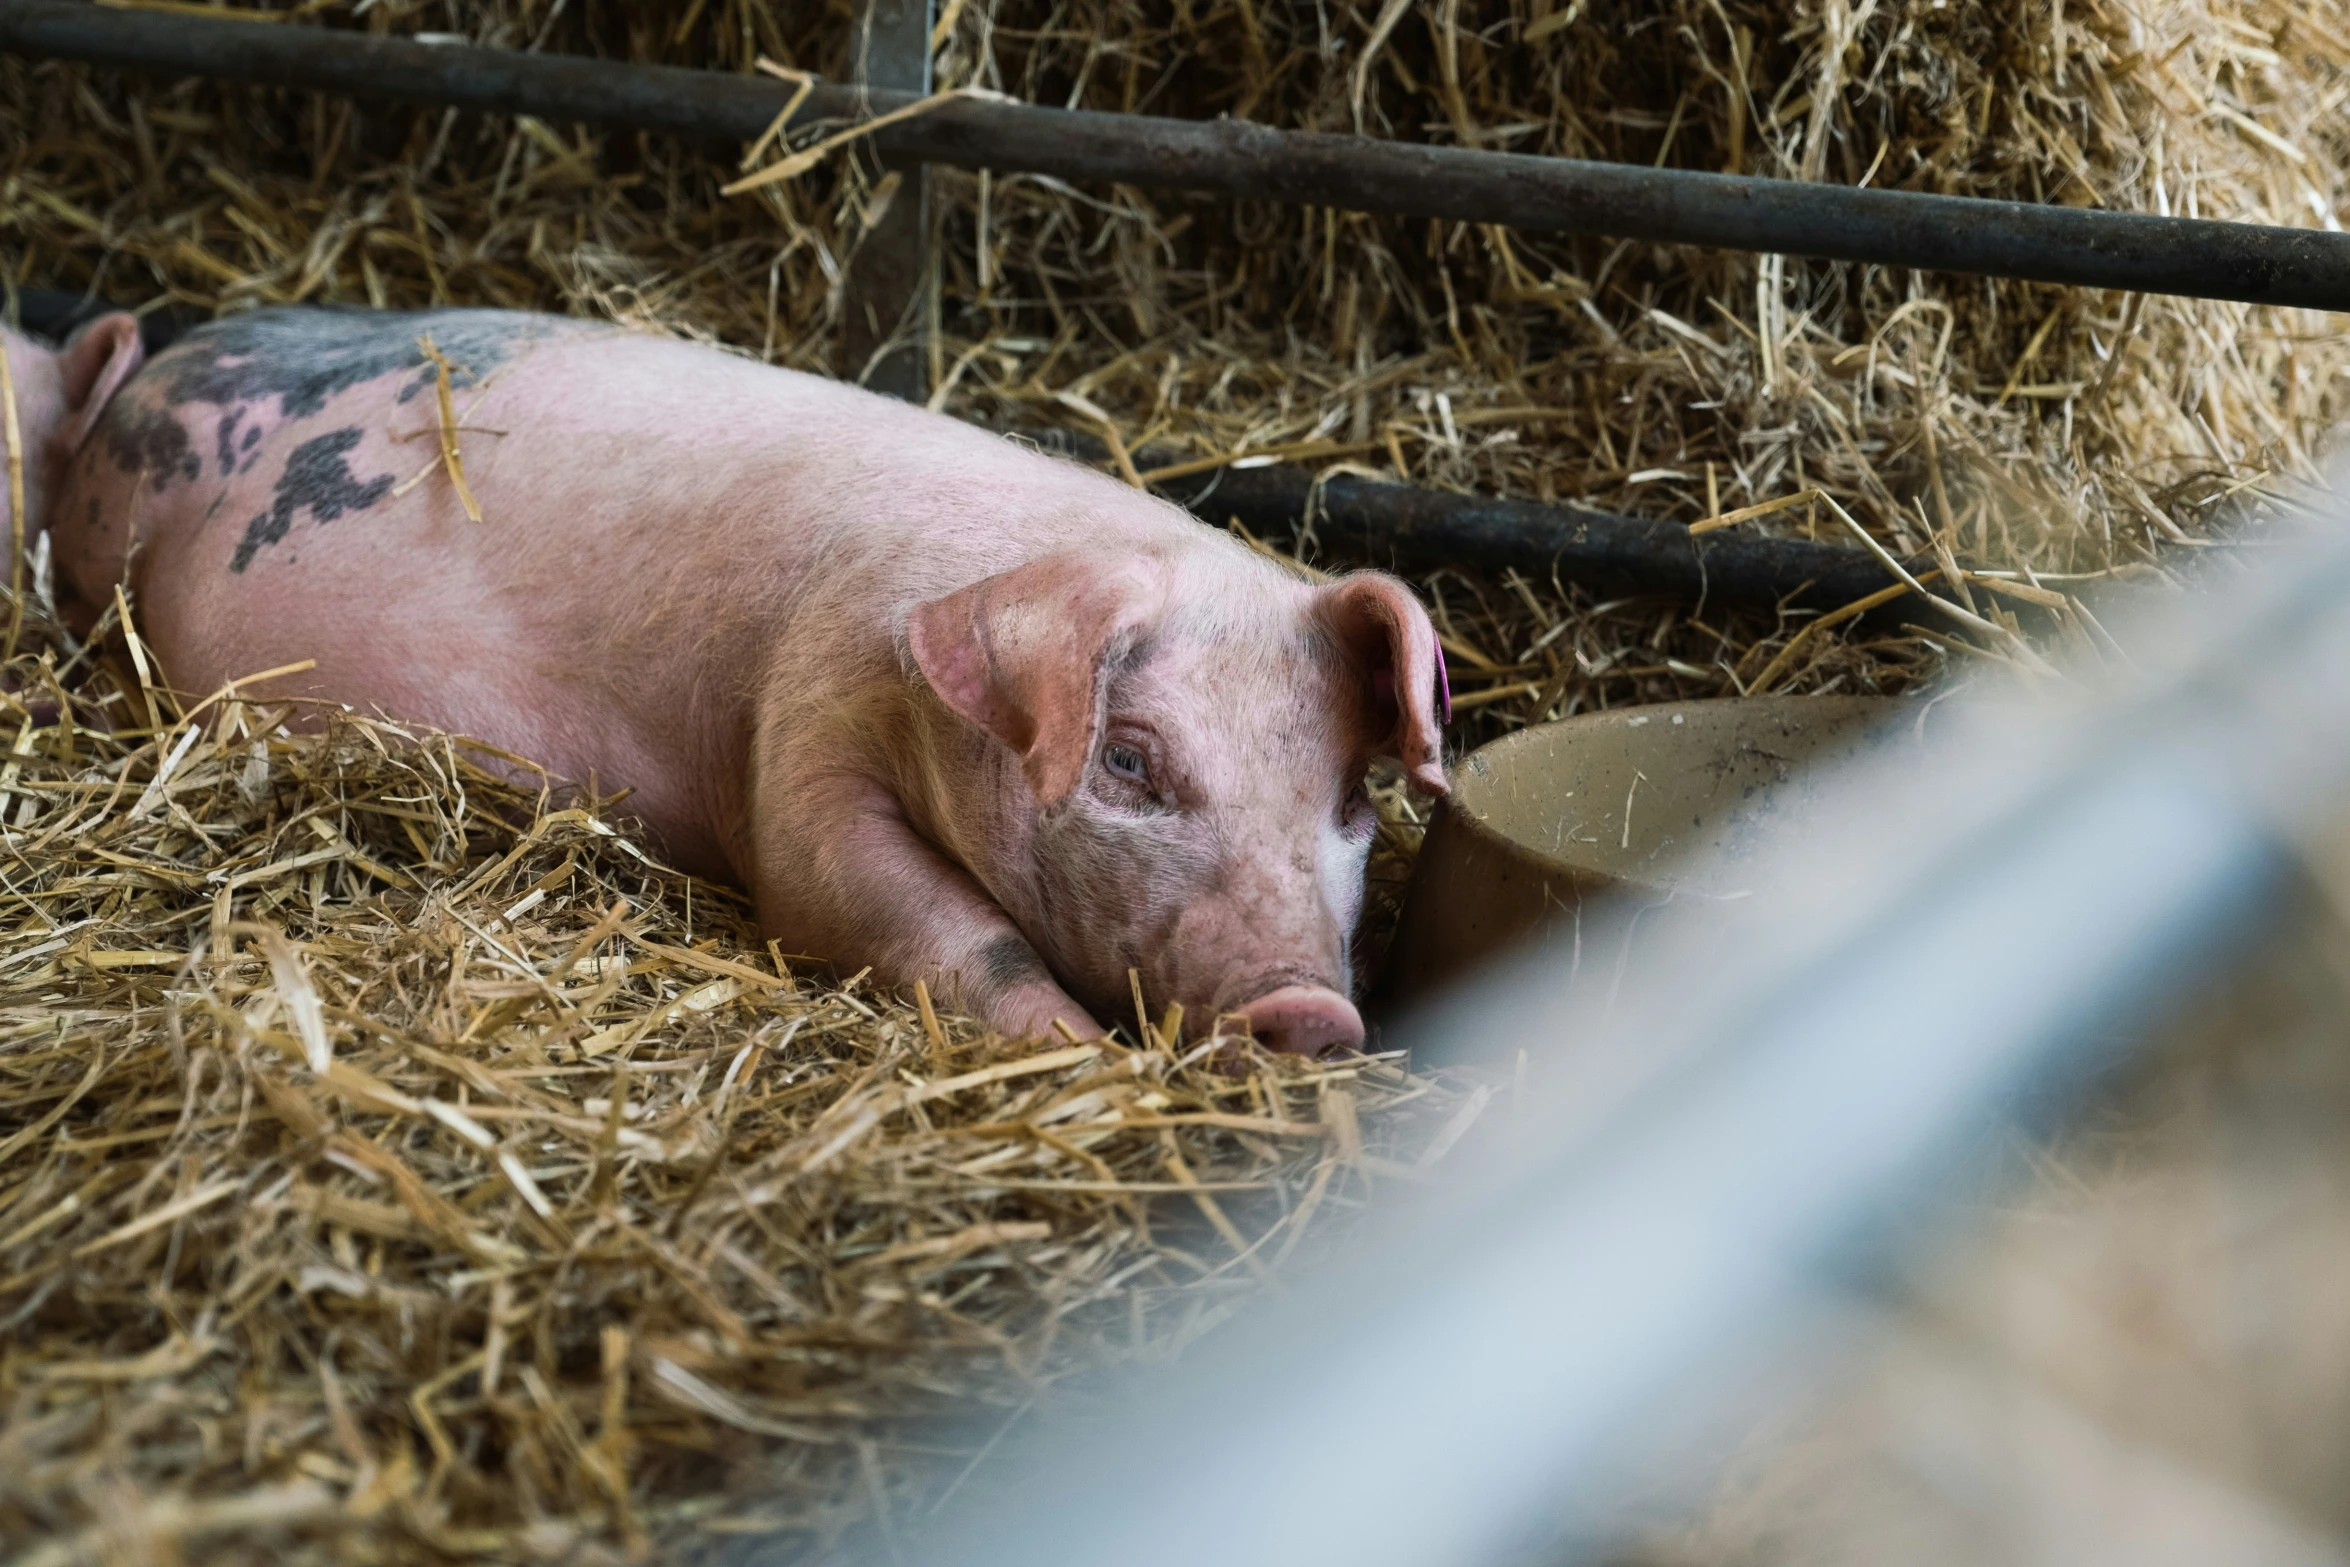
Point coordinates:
pixel 2068 245
pixel 1754 1104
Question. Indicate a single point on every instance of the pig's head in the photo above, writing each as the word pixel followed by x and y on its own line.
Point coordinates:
pixel 60 394
pixel 1183 742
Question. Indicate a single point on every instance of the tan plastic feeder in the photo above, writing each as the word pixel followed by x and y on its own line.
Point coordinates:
pixel 1545 819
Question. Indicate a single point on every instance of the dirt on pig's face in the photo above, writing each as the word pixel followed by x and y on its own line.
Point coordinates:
pixel 1195 812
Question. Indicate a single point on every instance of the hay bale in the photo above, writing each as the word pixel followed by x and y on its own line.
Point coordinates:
pixel 250 1303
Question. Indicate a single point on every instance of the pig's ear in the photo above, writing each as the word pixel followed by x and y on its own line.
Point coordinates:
pixel 1388 637
pixel 1024 654
pixel 93 367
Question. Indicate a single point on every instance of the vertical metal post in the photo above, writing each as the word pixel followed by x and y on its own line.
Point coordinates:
pixel 886 345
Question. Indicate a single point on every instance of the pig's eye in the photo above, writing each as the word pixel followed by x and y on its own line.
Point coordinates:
pixel 1124 761
pixel 1358 815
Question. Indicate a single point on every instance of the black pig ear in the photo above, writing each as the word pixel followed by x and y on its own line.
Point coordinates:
pixel 1389 638
pixel 93 366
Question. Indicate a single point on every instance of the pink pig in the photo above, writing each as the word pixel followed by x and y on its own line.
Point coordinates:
pixel 947 707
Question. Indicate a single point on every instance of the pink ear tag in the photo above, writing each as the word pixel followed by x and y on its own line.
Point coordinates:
pixel 1443 683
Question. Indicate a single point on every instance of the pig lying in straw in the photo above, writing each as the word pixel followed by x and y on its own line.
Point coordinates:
pixel 947 707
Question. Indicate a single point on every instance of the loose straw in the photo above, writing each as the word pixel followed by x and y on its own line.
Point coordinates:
pixel 1748 513
pixel 449 454
pixel 804 83
pixel 1110 436
pixel 1965 617
pixel 807 158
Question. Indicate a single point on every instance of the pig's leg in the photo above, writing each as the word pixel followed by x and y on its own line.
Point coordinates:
pixel 857 883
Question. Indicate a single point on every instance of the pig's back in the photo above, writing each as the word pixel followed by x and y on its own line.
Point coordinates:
pixel 663 524
pixel 609 466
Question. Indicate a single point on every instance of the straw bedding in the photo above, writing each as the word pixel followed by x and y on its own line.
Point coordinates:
pixel 399 1162
pixel 602 1225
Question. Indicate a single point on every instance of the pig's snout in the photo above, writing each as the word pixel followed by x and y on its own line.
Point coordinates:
pixel 1305 1019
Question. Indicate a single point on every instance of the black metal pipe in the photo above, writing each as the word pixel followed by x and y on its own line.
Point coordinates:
pixel 2254 263
pixel 1413 530
pixel 1417 530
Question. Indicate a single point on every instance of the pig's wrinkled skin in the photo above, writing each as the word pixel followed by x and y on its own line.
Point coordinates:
pixel 947 707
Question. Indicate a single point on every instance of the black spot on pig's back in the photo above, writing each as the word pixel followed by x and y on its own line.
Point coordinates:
pixel 302 357
pixel 145 439
pixel 296 359
pixel 318 476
